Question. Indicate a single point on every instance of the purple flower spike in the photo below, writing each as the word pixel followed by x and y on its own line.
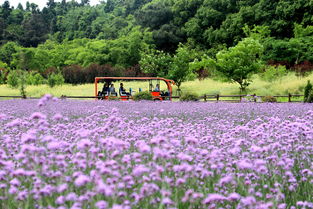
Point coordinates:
pixel 101 204
pixel 211 198
pixel 81 180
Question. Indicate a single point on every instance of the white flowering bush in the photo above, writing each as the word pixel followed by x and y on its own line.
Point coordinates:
pixel 94 154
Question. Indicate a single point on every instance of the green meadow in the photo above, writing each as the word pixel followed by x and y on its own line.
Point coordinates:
pixel 287 84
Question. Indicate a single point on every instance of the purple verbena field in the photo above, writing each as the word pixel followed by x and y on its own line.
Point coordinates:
pixel 99 154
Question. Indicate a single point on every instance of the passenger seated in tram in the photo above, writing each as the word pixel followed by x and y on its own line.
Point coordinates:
pixel 105 89
pixel 122 91
pixel 157 87
pixel 112 90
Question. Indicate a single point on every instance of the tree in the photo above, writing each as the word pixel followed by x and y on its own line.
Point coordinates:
pixel 17 79
pixel 239 63
pixel 7 51
pixel 35 30
pixel 84 2
pixel 179 69
pixel 6 10
pixel 155 62
pixel 160 63
pixel 24 59
pixel 20 7
pixel 308 92
pixel 202 67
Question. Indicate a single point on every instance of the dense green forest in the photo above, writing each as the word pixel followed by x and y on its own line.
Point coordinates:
pixel 179 39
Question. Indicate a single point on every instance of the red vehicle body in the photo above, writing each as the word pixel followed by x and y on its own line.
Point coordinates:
pixel 157 95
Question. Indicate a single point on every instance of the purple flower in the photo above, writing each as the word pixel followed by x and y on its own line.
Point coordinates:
pixel 226 180
pixel 57 117
pixel 191 140
pixel 76 153
pixel 184 157
pixel 84 144
pixel 13 190
pixel 104 189
pixel 60 200
pixel 61 188
pixel 282 206
pixel 233 197
pixel 22 195
pixel 37 115
pixel 140 170
pixel 54 145
pixel 81 180
pixel 28 137
pixel 101 204
pixel 244 164
pixel 144 148
pixel 248 201
pixel 71 197
pixel 167 201
pixel 211 198
pixel 115 206
pixel 15 182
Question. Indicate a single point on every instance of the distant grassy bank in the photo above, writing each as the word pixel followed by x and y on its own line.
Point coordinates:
pixel 287 84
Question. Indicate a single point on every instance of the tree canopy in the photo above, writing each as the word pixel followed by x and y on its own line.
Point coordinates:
pixel 149 34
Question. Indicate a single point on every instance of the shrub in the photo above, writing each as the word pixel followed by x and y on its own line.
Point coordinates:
pixel 49 71
pixel 17 79
pixel 13 79
pixel 74 74
pixel 310 98
pixel 96 70
pixel 189 97
pixel 34 78
pixel 55 80
pixel 22 83
pixel 303 69
pixel 308 91
pixel 273 73
pixel 2 81
pixel 269 99
pixel 2 76
pixel 135 71
pixel 144 95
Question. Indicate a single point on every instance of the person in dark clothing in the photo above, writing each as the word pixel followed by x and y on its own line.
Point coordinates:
pixel 105 89
pixel 122 90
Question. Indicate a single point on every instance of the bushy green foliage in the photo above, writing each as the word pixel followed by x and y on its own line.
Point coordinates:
pixel 185 97
pixel 7 51
pixel 55 79
pixel 3 74
pixel 13 79
pixel 155 62
pixel 269 99
pixel 35 78
pixel 203 67
pixel 179 68
pixel 17 79
pixel 310 97
pixel 144 95
pixel 2 79
pixel 22 83
pixel 308 92
pixel 239 63
pixel 272 73
pixel 291 51
pixel 123 34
